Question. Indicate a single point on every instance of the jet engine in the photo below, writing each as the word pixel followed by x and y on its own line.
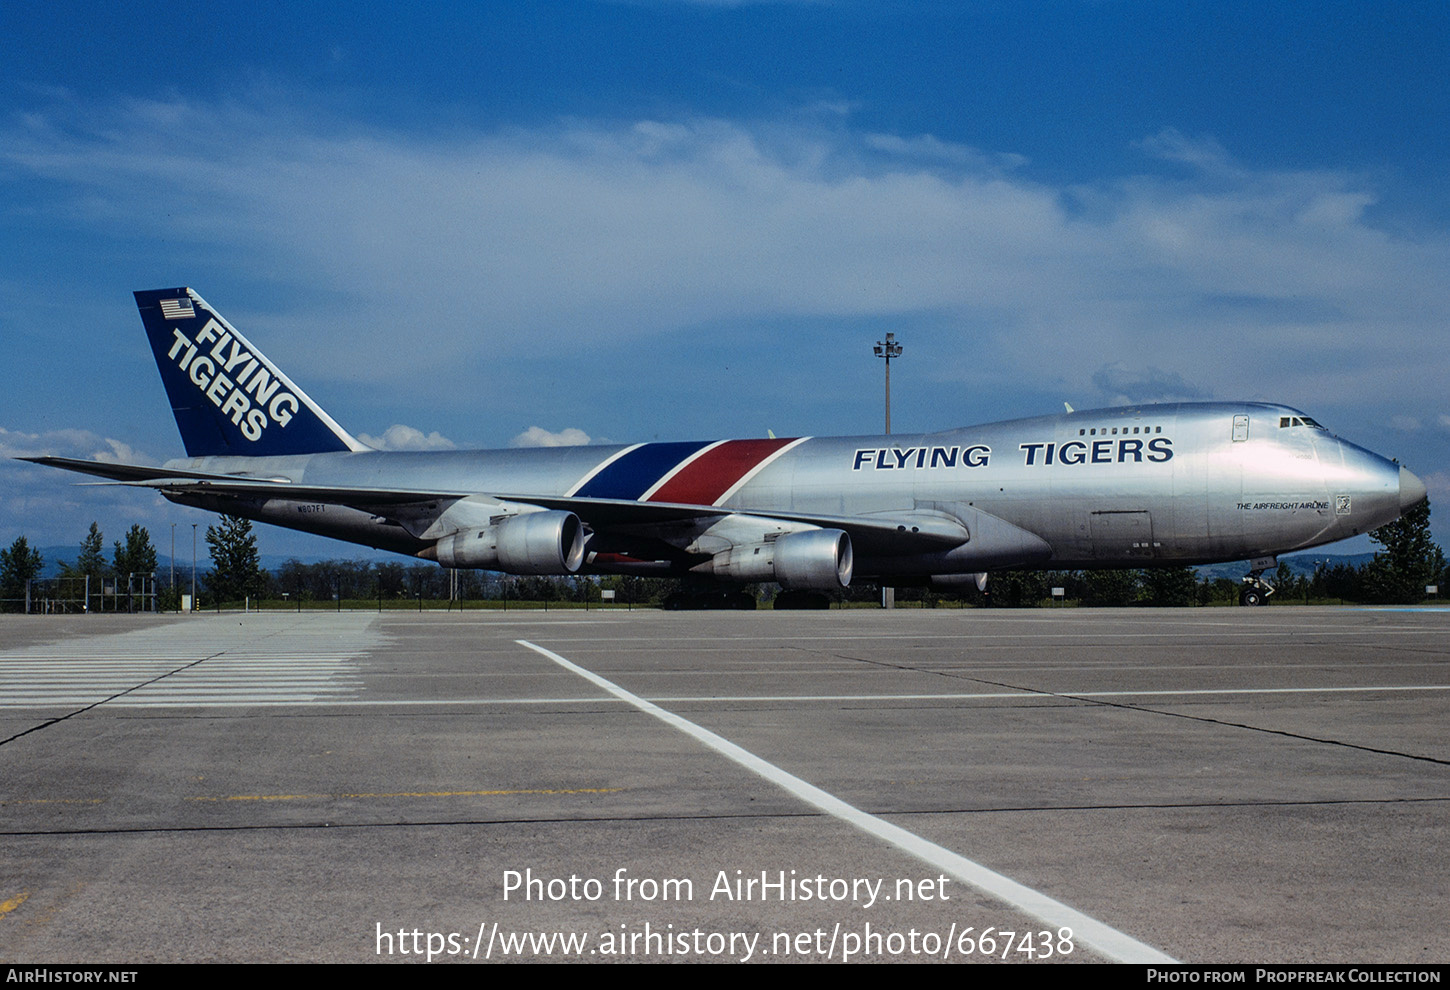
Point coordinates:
pixel 953 582
pixel 816 559
pixel 548 542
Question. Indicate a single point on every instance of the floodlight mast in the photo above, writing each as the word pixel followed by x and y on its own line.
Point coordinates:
pixel 888 349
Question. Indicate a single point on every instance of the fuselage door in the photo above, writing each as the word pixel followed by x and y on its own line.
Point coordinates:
pixel 1120 534
pixel 1241 429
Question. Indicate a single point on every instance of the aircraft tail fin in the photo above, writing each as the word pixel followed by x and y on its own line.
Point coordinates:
pixel 227 397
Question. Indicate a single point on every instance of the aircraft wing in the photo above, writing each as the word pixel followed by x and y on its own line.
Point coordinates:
pixel 907 532
pixel 116 472
pixel 890 533
pixel 201 483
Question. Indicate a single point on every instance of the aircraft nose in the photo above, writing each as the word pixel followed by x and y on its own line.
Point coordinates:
pixel 1412 491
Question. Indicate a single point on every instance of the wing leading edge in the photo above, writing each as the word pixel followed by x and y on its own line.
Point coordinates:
pixel 926 530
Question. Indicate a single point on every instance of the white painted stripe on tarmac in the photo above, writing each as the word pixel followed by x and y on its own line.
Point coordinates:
pixel 192 665
pixel 1101 937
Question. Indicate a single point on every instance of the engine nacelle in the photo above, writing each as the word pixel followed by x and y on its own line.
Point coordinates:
pixel 817 559
pixel 549 542
pixel 955 582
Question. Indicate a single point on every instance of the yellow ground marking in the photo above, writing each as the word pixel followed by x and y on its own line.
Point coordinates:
pixel 7 906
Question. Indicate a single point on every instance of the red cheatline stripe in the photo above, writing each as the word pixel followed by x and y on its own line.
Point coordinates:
pixel 710 475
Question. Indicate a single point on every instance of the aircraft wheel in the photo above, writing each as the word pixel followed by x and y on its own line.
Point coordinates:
pixel 1251 596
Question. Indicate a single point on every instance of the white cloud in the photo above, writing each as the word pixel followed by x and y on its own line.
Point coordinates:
pixel 1125 386
pixel 537 436
pixel 928 148
pixel 592 231
pixel 81 444
pixel 51 506
pixel 400 437
pixel 426 257
pixel 1437 483
pixel 1204 154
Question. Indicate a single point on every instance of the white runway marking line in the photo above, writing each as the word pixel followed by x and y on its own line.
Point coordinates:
pixel 1104 939
pixel 222 664
pixel 226 679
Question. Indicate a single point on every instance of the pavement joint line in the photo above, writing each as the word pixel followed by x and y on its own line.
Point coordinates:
pixel 404 794
pixel 85 708
pixel 256 701
pixel 750 816
pixel 1304 737
pixel 1106 940
pixel 1103 698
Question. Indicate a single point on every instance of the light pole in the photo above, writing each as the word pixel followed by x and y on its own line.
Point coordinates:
pixel 888 349
pixel 172 590
pixel 193 566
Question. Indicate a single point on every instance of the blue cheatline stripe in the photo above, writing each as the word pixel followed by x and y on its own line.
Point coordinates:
pixel 633 474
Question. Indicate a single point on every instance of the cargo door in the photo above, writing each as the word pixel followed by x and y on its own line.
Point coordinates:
pixel 1122 534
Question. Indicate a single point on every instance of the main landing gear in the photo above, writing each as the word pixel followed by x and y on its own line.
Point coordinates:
pixel 1256 589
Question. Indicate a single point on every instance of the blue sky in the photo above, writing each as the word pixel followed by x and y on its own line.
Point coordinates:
pixel 489 223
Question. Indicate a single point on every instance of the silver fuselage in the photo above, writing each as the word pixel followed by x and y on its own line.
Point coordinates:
pixel 1126 486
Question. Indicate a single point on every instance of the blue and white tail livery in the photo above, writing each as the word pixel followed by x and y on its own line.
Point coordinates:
pixel 227 397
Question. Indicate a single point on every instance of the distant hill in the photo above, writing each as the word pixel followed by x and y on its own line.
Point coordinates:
pixel 1301 563
pixel 53 557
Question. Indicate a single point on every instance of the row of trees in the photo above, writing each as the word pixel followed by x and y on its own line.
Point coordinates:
pixel 235 572
pixel 19 565
pixel 1409 560
pixel 236 575
pixel 135 556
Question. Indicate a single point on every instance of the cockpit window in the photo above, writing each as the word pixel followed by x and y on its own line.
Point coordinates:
pixel 1287 421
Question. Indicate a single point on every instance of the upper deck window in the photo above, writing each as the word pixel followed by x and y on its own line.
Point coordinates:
pixel 1114 430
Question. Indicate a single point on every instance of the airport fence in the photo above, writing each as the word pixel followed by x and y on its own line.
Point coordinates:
pixel 80 595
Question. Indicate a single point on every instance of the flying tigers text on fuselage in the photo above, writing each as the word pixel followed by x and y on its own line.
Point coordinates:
pixel 1124 450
